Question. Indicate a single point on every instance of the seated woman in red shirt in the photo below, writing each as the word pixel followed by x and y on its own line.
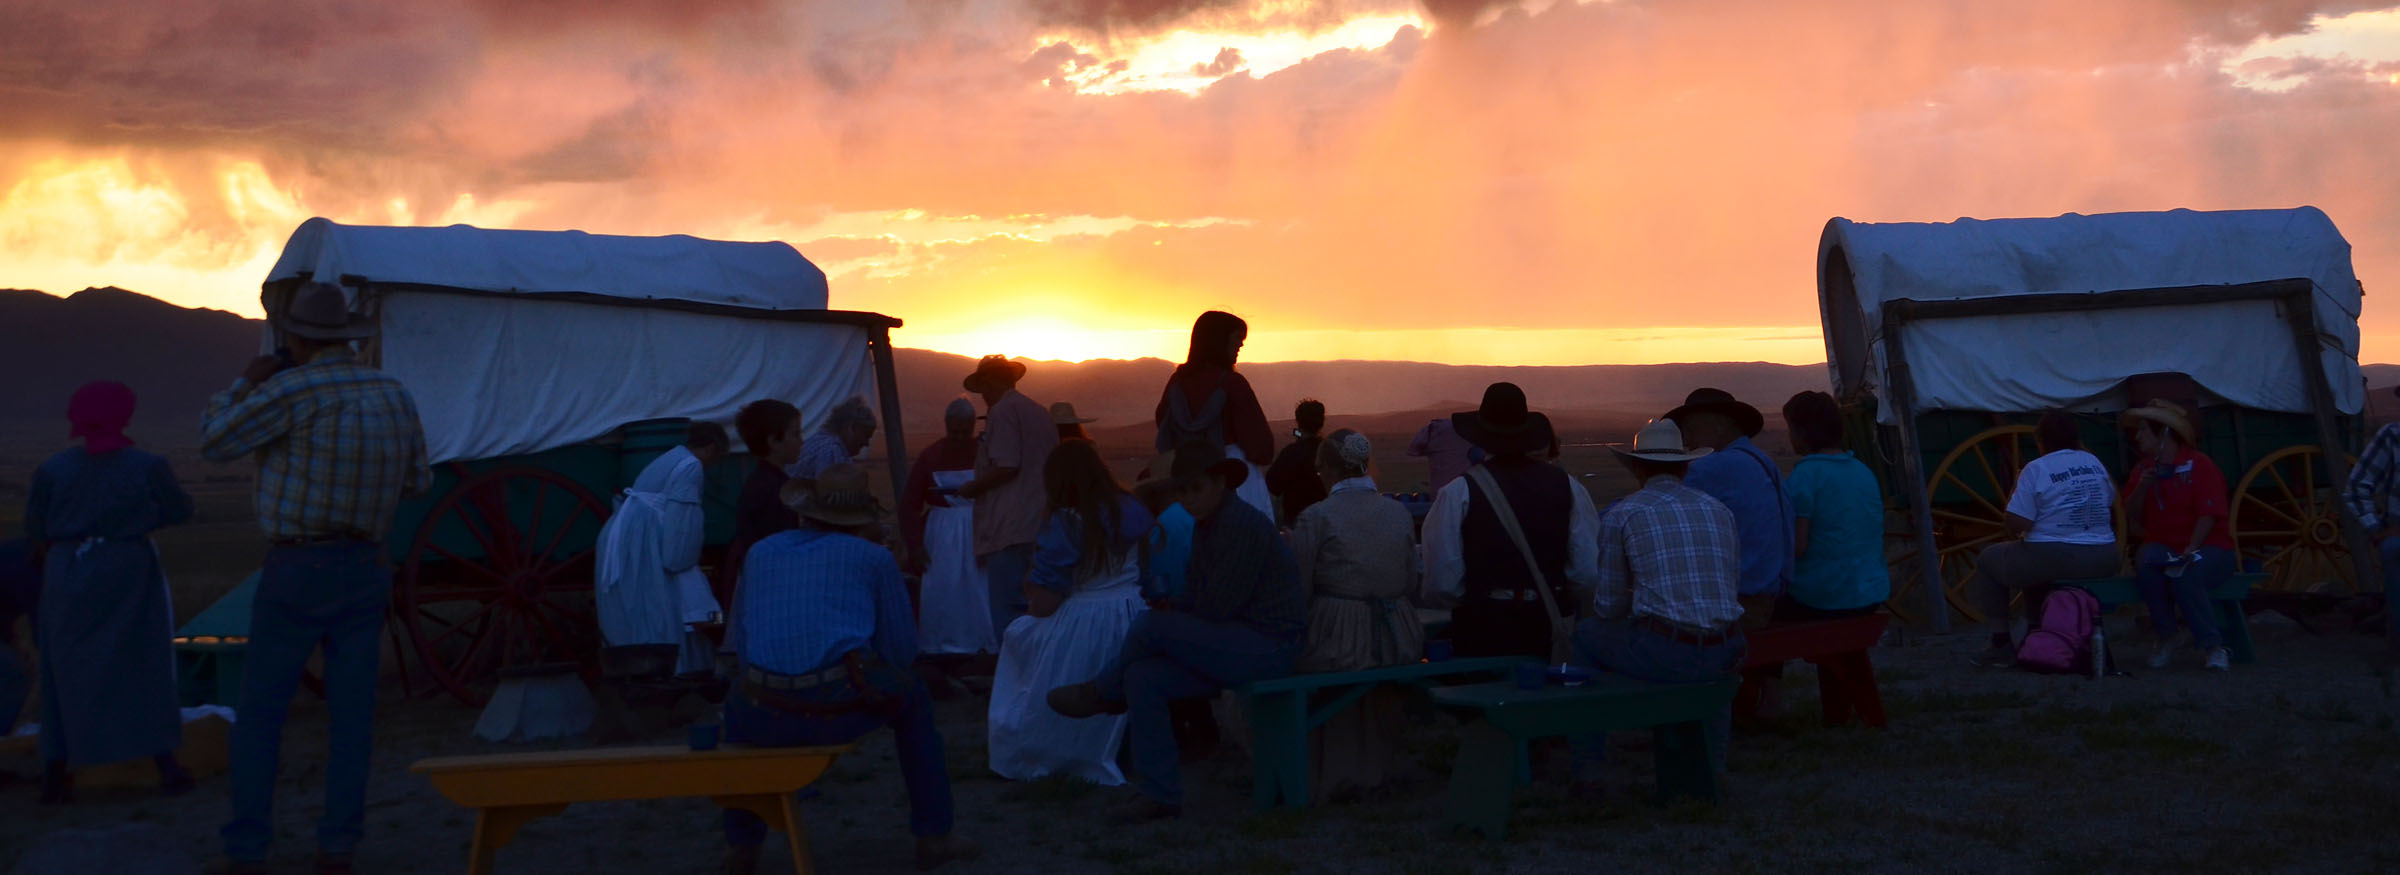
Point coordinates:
pixel 2176 499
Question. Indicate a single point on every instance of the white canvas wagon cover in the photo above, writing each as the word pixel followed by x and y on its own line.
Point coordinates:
pixel 521 341
pixel 2239 351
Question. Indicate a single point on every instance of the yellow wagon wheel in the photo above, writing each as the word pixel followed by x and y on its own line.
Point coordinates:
pixel 1969 492
pixel 2287 516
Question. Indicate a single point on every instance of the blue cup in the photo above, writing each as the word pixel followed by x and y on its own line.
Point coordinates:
pixel 1438 650
pixel 1532 676
pixel 703 736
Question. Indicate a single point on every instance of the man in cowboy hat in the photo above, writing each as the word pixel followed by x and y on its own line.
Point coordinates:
pixel 1665 607
pixel 1239 619
pixel 1007 490
pixel 2176 499
pixel 825 635
pixel 1483 525
pixel 1742 476
pixel 338 443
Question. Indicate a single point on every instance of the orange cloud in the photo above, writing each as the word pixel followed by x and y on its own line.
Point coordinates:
pixel 1552 181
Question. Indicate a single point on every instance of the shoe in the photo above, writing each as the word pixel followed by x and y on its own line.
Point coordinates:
pixel 744 860
pixel 1995 656
pixel 1143 809
pixel 1082 700
pixel 2164 655
pixel 2219 659
pixel 934 851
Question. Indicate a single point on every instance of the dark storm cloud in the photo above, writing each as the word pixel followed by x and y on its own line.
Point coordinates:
pixel 1104 16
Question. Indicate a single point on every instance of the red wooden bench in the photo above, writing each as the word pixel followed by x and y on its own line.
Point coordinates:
pixel 1838 648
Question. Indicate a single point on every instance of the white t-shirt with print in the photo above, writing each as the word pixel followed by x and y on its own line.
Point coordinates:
pixel 2067 495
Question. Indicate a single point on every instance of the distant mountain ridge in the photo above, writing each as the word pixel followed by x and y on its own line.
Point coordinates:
pixel 175 357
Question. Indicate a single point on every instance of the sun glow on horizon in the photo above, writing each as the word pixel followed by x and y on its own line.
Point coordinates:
pixel 1052 338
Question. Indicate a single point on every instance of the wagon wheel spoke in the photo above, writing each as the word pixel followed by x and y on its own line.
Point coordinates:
pixel 1985 461
pixel 1971 493
pixel 454 628
pixel 2271 508
pixel 2285 486
pixel 464 562
pixel 541 562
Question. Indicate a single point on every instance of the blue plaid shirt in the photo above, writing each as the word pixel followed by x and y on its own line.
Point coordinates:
pixel 809 596
pixel 338 444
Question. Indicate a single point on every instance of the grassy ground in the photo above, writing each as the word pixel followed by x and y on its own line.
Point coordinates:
pixel 2293 764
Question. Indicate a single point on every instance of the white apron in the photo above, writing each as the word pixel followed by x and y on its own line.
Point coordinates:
pixel 1253 491
pixel 954 614
pixel 1030 741
pixel 646 583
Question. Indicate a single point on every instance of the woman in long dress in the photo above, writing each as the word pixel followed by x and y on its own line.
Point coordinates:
pixel 1084 590
pixel 647 581
pixel 954 614
pixel 1357 552
pixel 1207 400
pixel 105 626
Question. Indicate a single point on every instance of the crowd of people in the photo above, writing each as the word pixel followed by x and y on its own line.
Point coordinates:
pixel 1111 613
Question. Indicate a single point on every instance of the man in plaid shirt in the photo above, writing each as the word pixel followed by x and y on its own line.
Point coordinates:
pixel 338 443
pixel 1670 572
pixel 2369 495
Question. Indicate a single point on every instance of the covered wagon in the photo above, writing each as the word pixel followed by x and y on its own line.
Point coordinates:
pixel 550 367
pixel 1946 341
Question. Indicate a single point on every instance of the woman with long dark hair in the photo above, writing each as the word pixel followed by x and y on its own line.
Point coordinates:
pixel 1206 400
pixel 1084 590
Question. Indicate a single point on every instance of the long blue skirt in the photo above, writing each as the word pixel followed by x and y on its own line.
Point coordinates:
pixel 106 634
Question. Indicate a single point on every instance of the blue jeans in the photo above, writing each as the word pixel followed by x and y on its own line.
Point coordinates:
pixel 15 685
pixel 329 594
pixel 2187 595
pixel 1004 572
pixel 1632 648
pixel 921 765
pixel 1170 655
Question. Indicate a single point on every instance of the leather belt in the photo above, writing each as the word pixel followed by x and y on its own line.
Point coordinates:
pixel 793 682
pixel 1678 633
pixel 312 540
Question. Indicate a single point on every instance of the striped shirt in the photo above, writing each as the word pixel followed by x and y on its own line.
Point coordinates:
pixel 809 596
pixel 1671 552
pixel 2369 492
pixel 819 455
pixel 338 444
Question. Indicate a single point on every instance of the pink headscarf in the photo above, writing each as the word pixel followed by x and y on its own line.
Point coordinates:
pixel 100 411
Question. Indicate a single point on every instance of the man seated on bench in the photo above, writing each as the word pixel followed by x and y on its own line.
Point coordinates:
pixel 1240 619
pixel 826 637
pixel 2176 499
pixel 1667 608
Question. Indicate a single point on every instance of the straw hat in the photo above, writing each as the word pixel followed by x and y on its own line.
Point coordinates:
pixel 840 497
pixel 1063 413
pixel 319 311
pixel 1661 441
pixel 2166 413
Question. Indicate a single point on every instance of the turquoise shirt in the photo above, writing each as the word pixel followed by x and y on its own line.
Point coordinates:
pixel 1843 567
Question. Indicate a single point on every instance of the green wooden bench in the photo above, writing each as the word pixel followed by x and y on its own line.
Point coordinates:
pixel 1484 779
pixel 1282 714
pixel 2232 620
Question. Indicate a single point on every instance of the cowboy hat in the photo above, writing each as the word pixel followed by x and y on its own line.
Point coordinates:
pixel 1193 459
pixel 1722 403
pixel 319 311
pixel 1660 441
pixel 994 371
pixel 1063 413
pixel 2163 412
pixel 839 497
pixel 1502 425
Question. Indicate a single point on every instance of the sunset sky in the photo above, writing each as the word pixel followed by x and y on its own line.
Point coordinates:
pixel 1469 181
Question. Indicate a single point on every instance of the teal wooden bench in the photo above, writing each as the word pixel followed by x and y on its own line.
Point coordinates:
pixel 1282 714
pixel 2232 619
pixel 210 650
pixel 1491 751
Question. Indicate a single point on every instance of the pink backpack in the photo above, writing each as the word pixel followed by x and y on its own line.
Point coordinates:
pixel 2063 642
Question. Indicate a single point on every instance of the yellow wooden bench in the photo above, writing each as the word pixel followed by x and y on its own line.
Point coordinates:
pixel 509 790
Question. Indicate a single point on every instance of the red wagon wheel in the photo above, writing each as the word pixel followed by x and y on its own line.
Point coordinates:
pixel 500 574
